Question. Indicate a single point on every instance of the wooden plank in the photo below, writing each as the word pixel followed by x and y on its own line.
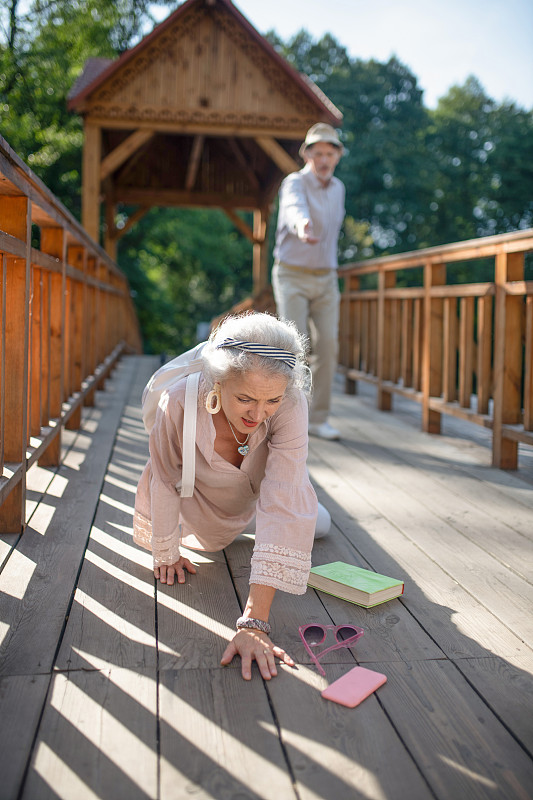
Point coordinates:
pixel 460 747
pixel 113 610
pixel 480 512
pixel 457 251
pixel 457 621
pixel 339 752
pixel 196 620
pixel 506 685
pixel 287 611
pixel 219 738
pixel 21 700
pixel 98 737
pixel 507 494
pixel 56 540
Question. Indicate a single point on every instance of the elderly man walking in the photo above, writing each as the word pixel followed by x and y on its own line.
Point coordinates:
pixel 304 277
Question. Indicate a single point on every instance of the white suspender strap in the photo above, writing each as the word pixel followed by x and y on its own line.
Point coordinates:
pixel 189 434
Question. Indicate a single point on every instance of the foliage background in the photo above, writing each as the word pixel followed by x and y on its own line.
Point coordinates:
pixel 414 177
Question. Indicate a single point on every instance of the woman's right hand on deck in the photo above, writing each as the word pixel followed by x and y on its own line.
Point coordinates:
pixel 166 572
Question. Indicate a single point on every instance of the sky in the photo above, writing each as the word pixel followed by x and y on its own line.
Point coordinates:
pixel 442 42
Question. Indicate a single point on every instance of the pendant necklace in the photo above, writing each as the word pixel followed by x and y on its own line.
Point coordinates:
pixel 243 448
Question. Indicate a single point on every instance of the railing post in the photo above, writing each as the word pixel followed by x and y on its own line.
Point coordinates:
pixel 528 376
pixel 386 280
pixel 484 354
pixel 507 359
pixel 90 201
pixel 15 213
pixel 36 352
pixel 260 250
pixel 449 388
pixel 53 242
pixel 351 332
pixel 76 257
pixel 434 275
pixel 92 323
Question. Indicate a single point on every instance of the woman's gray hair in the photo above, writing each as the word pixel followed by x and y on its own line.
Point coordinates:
pixel 221 363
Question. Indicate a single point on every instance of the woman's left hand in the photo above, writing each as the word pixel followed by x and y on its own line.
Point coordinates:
pixel 251 644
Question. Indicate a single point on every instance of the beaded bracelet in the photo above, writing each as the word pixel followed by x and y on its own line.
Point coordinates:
pixel 255 624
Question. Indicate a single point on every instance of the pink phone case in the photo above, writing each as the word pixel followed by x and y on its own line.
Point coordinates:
pixel 352 688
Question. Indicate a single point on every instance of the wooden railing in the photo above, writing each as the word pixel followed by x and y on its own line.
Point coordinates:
pixel 66 315
pixel 464 349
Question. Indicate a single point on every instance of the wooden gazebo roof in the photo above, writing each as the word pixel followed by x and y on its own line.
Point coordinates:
pixel 202 112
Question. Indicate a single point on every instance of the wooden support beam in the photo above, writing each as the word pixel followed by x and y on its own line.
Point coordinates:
pixel 240 224
pixel 77 257
pixel 131 221
pixel 125 149
pixel 528 376
pixel 110 238
pixel 260 250
pixel 507 359
pixel 432 355
pixel 244 163
pixel 170 197
pixel 484 354
pixel 386 280
pixel 90 196
pixel 53 242
pixel 15 213
pixel 194 162
pixel 278 155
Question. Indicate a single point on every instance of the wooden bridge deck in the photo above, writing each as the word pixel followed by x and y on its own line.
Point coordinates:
pixel 106 693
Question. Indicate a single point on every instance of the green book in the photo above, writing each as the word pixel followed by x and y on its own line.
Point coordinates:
pixel 357 585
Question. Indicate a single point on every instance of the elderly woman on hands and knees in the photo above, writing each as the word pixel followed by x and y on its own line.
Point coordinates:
pixel 251 451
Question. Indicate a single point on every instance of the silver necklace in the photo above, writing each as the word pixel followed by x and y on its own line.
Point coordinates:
pixel 243 448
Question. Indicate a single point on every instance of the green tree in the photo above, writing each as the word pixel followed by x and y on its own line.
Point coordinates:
pixel 386 169
pixel 185 266
pixel 42 52
pixel 484 154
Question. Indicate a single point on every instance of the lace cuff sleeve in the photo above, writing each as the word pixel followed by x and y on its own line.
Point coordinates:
pixel 164 551
pixel 280 567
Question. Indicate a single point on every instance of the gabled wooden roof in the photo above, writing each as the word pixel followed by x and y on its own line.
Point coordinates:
pixel 205 65
pixel 202 112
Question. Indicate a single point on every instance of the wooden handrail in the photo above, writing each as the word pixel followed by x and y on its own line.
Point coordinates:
pixel 66 316
pixel 459 349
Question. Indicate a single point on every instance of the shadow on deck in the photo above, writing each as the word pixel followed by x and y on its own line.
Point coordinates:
pixel 105 693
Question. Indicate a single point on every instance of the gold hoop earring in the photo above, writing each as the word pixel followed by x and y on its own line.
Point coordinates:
pixel 213 402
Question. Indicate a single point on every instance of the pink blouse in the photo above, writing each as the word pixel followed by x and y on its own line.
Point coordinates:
pixel 272 482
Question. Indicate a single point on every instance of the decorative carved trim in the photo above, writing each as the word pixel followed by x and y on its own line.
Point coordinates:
pixel 207 117
pixel 170 45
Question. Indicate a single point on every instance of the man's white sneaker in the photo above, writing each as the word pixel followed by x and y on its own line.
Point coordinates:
pixel 324 431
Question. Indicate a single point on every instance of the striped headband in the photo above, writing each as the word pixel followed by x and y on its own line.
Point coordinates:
pixel 262 350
